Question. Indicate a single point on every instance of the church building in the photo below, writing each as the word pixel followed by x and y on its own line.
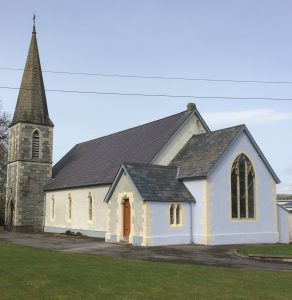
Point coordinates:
pixel 170 181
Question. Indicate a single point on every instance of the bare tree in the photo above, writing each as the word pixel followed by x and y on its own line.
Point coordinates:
pixel 4 124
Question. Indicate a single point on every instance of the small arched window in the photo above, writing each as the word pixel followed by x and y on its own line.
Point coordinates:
pixel 35 145
pixel 178 215
pixel 89 207
pixel 52 207
pixel 171 214
pixel 69 207
pixel 242 188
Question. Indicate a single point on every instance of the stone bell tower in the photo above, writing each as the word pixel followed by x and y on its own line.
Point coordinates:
pixel 30 149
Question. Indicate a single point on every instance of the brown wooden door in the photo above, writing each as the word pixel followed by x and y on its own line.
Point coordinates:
pixel 127 218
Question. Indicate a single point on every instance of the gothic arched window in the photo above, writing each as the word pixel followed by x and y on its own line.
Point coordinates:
pixel 35 144
pixel 178 215
pixel 242 188
pixel 171 214
pixel 52 207
pixel 89 207
pixel 69 207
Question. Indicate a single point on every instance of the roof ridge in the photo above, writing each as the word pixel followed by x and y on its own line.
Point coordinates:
pixel 223 129
pixel 91 140
pixel 149 165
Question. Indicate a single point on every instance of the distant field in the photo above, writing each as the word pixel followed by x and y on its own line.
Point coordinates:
pixel 285 250
pixel 28 273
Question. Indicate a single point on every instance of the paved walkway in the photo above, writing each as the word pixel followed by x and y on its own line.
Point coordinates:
pixel 191 254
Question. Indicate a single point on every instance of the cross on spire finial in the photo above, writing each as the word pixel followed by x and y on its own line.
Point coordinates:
pixel 34 23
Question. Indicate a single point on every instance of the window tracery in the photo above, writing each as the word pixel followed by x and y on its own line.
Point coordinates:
pixel 242 188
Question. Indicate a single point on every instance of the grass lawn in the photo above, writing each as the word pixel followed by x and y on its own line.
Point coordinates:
pixel 285 250
pixel 28 273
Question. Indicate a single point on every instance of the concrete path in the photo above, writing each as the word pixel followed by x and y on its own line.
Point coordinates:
pixel 191 254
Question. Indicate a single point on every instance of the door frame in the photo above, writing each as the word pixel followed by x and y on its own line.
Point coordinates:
pixel 126 201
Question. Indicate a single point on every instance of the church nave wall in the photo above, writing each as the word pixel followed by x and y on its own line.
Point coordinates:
pixel 81 210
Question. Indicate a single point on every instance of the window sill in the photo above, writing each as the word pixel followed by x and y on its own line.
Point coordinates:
pixel 175 225
pixel 243 219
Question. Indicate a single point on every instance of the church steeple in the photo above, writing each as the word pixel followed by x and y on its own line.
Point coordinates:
pixel 31 104
pixel 30 149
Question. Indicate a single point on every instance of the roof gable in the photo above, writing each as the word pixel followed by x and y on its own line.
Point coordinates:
pixel 203 152
pixel 97 161
pixel 154 183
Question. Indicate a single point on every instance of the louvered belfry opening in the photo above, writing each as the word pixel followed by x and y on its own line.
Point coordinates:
pixel 36 145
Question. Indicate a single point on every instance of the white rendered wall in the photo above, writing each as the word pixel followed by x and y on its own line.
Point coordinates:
pixel 174 145
pixel 126 189
pixel 222 229
pixel 160 231
pixel 80 211
pixel 198 188
pixel 283 224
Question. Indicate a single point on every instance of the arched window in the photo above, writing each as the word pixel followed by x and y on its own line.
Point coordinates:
pixel 171 214
pixel 89 207
pixel 35 145
pixel 52 207
pixel 242 188
pixel 69 207
pixel 178 215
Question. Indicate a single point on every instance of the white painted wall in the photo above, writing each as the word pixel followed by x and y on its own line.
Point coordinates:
pixel 174 145
pixel 283 224
pixel 126 189
pixel 160 231
pixel 80 211
pixel 198 188
pixel 222 229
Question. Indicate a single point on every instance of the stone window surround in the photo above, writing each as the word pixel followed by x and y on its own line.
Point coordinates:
pixel 90 208
pixel 181 216
pixel 69 208
pixel 247 218
pixel 52 210
pixel 40 145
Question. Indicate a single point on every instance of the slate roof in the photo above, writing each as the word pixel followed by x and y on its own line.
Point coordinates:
pixel 157 183
pixel 97 161
pixel 287 205
pixel 285 201
pixel 31 104
pixel 202 151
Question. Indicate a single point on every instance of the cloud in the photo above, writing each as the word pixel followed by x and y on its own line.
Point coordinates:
pixel 256 116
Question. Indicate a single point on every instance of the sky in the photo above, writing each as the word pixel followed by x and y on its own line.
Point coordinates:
pixel 239 40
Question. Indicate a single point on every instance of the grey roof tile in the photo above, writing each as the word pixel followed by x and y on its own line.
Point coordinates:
pixel 158 183
pixel 97 161
pixel 202 151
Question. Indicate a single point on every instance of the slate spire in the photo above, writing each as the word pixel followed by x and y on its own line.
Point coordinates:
pixel 31 104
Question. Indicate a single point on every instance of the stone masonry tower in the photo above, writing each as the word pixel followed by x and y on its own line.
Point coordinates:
pixel 30 149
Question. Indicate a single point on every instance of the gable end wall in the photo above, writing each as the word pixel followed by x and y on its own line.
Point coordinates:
pixel 222 228
pixel 174 145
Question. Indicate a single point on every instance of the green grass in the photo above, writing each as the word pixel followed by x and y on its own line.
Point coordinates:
pixel 284 250
pixel 29 273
